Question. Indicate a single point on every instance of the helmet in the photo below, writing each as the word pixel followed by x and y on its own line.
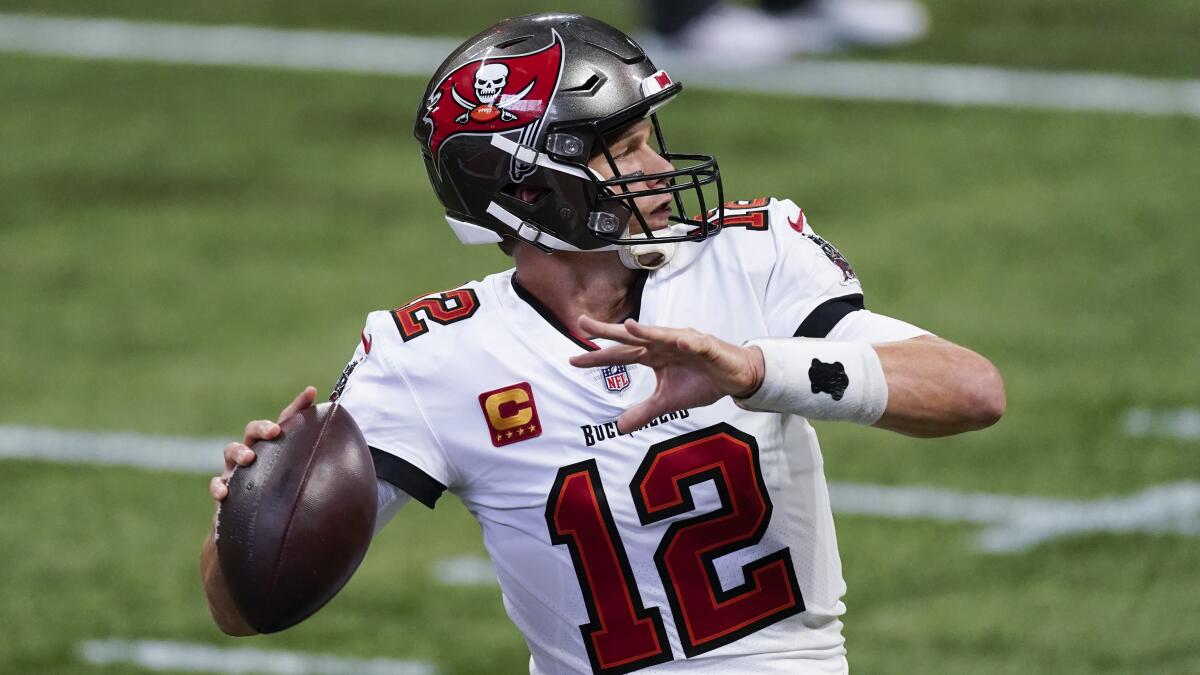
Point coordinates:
pixel 526 103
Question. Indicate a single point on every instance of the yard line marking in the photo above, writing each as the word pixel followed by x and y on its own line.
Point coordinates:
pixel 950 85
pixel 108 447
pixel 1013 523
pixel 222 45
pixel 1021 523
pixel 1179 423
pixel 202 658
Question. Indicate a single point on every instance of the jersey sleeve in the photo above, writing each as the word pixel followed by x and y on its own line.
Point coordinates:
pixel 866 326
pixel 373 388
pixel 812 286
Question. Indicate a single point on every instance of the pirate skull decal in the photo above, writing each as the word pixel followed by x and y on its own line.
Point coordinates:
pixel 489 81
pixel 496 94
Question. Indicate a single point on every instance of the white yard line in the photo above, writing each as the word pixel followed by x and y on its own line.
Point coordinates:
pixel 1181 424
pixel 419 56
pixel 1012 523
pixel 105 447
pixel 201 658
pixel 222 45
pixel 1020 523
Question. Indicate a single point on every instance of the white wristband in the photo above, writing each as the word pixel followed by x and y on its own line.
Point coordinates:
pixel 820 380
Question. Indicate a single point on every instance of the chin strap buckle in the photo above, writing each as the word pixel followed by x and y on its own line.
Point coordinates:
pixel 528 232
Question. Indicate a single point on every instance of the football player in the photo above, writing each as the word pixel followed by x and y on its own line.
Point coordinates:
pixel 626 411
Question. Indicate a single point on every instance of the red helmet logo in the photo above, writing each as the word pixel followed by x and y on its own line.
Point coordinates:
pixel 493 95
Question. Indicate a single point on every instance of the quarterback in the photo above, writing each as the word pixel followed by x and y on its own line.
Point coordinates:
pixel 626 411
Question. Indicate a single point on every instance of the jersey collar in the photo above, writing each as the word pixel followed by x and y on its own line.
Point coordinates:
pixel 523 293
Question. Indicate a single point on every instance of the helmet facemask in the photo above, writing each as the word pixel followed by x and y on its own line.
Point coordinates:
pixel 693 185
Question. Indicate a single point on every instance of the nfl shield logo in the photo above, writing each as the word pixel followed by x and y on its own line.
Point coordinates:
pixel 616 378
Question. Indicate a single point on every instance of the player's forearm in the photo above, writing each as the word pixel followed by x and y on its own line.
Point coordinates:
pixel 220 603
pixel 924 386
pixel 937 388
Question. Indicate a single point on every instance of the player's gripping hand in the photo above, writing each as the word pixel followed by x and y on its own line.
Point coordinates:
pixel 694 369
pixel 240 454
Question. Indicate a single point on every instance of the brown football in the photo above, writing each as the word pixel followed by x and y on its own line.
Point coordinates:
pixel 297 522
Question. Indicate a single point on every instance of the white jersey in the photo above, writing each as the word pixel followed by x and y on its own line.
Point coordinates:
pixel 702 543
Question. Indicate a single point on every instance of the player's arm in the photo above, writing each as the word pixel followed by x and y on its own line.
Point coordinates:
pixel 924 386
pixel 224 613
pixel 937 388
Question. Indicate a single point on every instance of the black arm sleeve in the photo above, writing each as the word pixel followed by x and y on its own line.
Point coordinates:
pixel 407 477
pixel 827 315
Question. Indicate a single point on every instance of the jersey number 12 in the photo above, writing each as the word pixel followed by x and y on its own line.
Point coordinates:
pixel 622 635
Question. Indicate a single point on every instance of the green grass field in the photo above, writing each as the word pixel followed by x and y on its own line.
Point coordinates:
pixel 1150 37
pixel 183 248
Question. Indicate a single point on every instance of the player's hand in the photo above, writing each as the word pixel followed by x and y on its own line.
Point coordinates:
pixel 240 454
pixel 694 369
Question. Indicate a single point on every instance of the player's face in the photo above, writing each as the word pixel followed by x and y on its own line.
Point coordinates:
pixel 634 154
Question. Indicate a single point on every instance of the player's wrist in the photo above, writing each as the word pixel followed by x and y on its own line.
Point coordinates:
pixel 819 379
pixel 755 367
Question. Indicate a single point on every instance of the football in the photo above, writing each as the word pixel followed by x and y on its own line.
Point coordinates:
pixel 297 522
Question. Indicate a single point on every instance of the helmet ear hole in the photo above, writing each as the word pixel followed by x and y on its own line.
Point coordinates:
pixel 529 194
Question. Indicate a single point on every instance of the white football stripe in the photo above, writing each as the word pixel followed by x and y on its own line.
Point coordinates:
pixel 419 56
pixel 201 658
pixel 1013 523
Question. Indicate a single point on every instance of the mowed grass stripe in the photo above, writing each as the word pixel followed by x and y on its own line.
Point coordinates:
pixel 1013 523
pixel 419 56
pixel 1155 39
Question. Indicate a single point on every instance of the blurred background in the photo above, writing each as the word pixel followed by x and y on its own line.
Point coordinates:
pixel 194 223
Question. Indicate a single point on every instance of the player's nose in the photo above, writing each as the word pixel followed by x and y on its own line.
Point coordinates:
pixel 658 164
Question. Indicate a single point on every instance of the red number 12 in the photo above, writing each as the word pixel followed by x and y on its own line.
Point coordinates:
pixel 622 635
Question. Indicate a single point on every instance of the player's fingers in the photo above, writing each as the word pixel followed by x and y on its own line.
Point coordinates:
pixel 258 430
pixel 610 356
pixel 230 455
pixel 608 331
pixel 302 401
pixel 652 333
pixel 639 415
pixel 704 346
pixel 217 488
pixel 237 454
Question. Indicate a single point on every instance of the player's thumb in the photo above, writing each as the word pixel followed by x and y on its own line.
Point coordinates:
pixel 303 400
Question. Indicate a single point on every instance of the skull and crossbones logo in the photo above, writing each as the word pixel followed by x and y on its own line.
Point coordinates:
pixel 490 81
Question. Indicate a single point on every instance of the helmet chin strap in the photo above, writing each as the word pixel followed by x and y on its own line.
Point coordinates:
pixel 651 255
pixel 646 256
